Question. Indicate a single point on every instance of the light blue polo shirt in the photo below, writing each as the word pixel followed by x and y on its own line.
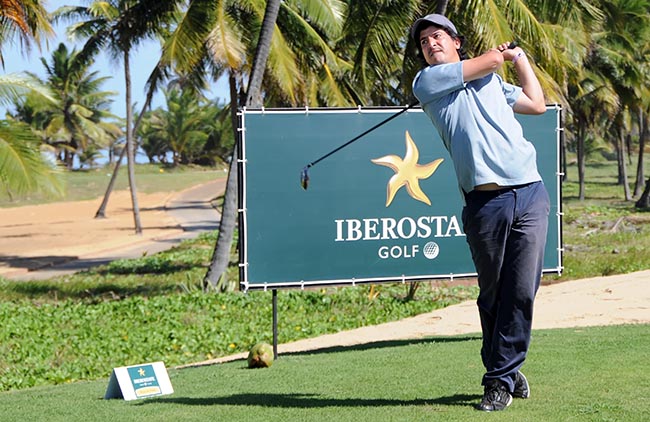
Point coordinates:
pixel 477 125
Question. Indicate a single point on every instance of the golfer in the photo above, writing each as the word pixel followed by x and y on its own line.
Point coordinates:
pixel 505 216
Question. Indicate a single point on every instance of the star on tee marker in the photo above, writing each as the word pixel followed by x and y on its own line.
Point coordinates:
pixel 407 172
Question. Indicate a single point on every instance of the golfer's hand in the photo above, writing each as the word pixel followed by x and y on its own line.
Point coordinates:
pixel 508 53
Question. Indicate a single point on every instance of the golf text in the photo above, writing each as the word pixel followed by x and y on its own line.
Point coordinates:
pixel 387 228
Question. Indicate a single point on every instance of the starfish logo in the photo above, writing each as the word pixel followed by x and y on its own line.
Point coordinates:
pixel 407 172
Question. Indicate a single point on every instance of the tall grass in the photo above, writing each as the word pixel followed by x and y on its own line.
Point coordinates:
pixel 604 234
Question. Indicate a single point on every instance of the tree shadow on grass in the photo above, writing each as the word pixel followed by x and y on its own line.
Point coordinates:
pixel 381 344
pixel 145 267
pixel 35 262
pixel 98 293
pixel 309 400
pixel 306 401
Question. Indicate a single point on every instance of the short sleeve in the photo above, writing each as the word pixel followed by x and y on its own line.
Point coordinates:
pixel 511 92
pixel 434 82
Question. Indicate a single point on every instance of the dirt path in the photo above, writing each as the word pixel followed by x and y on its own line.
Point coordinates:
pixel 36 236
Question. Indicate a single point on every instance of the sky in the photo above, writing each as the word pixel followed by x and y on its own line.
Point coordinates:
pixel 143 60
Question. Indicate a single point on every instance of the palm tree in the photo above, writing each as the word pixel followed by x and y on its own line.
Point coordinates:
pixel 628 75
pixel 643 202
pixel 593 102
pixel 218 126
pixel 221 255
pixel 615 56
pixel 214 37
pixel 25 20
pixel 152 138
pixel 644 135
pixel 644 106
pixel 181 129
pixel 78 120
pixel 119 26
pixel 22 167
pixel 374 35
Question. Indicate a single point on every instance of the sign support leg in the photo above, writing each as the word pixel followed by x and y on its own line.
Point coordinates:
pixel 275 323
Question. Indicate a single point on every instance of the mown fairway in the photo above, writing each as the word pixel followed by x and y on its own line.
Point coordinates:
pixel 587 374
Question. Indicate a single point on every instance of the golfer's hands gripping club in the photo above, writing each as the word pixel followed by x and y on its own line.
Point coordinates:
pixel 509 50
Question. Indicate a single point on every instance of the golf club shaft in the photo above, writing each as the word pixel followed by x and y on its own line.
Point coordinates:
pixel 413 104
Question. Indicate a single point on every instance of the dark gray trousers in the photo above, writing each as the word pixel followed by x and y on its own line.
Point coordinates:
pixel 506 233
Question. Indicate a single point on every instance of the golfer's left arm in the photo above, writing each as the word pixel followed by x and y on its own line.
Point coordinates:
pixel 531 100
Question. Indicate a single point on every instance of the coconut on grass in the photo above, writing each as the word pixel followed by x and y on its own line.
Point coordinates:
pixel 260 356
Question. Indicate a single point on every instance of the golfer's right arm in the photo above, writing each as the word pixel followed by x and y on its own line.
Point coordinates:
pixel 482 65
pixel 532 101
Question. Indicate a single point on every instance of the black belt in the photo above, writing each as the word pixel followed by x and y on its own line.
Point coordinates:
pixel 495 192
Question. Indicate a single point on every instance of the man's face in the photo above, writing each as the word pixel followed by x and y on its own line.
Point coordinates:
pixel 438 46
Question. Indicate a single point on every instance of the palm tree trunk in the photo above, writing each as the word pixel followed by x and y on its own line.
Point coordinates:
pixel 130 145
pixel 254 91
pixel 628 148
pixel 581 161
pixel 221 255
pixel 644 201
pixel 441 7
pixel 101 212
pixel 622 165
pixel 644 132
pixel 69 157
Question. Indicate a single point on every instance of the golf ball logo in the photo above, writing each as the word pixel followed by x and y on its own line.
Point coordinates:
pixel 431 250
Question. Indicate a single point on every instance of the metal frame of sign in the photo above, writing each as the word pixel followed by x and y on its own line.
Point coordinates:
pixel 275 144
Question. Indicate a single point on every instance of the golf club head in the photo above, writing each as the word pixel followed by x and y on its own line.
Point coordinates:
pixel 304 178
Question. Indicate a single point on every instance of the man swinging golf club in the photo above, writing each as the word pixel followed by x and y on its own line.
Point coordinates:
pixel 505 216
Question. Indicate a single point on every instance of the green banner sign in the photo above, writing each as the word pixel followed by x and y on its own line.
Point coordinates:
pixel 361 220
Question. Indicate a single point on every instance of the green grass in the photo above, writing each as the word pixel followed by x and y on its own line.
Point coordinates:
pixel 604 234
pixel 153 309
pixel 90 184
pixel 586 374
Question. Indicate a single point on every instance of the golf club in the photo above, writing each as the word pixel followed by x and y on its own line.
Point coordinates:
pixel 304 173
